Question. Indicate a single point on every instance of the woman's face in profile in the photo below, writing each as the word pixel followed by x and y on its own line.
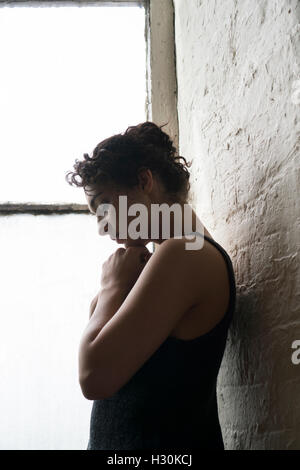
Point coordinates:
pixel 110 220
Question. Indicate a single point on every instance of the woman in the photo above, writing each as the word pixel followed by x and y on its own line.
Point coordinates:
pixel 150 354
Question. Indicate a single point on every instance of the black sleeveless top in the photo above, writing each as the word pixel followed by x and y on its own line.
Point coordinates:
pixel 170 402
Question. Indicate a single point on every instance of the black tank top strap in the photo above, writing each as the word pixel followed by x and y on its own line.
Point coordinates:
pixel 226 319
pixel 231 275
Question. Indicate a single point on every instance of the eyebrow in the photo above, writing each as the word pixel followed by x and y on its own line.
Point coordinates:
pixel 93 200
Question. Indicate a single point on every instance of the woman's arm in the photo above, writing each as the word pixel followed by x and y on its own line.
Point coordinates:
pixel 122 335
pixel 93 305
pixel 116 284
pixel 104 306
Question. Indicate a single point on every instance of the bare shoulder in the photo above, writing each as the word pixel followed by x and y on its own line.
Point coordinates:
pixel 194 258
pixel 208 275
pixel 193 250
pixel 197 250
pixel 185 244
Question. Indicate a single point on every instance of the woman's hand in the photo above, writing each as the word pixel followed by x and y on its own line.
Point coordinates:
pixel 144 254
pixel 124 266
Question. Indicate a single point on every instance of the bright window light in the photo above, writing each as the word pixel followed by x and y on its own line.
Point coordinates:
pixel 70 77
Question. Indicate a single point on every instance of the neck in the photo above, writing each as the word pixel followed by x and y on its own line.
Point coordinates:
pixel 177 224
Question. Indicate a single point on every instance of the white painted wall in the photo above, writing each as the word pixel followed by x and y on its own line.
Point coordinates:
pixel 237 64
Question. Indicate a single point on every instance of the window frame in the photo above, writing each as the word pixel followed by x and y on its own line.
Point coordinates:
pixel 161 80
pixel 56 3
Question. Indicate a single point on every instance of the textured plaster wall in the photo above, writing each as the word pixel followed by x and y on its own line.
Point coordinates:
pixel 238 110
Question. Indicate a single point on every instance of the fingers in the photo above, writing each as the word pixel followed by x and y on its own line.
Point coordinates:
pixel 134 243
pixel 145 257
pixel 138 248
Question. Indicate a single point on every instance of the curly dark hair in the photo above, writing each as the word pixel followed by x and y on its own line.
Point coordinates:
pixel 118 159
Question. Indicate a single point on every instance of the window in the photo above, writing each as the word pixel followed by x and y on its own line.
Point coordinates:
pixel 72 74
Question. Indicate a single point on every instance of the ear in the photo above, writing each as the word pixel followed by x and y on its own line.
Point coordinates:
pixel 145 179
